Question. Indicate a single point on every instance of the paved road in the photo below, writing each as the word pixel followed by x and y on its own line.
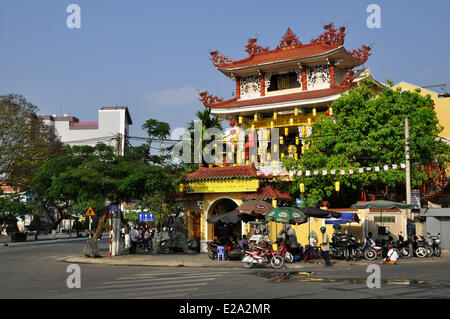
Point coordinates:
pixel 37 271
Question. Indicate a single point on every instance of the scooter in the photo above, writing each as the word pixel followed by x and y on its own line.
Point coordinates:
pixel 435 244
pixel 419 248
pixel 261 255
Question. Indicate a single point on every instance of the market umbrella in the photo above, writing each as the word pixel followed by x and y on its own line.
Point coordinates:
pixel 319 213
pixel 258 207
pixel 232 217
pixel 288 215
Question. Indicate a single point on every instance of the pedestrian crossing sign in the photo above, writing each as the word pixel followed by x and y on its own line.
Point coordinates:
pixel 90 211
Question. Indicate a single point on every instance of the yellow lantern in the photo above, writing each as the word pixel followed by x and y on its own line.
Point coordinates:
pixel 275 148
pixel 337 186
pixel 281 140
pixel 271 124
pixel 297 140
pixel 314 112
pixel 303 131
pixel 268 156
pixel 262 164
pixel 303 149
pixel 181 188
pixel 296 111
pixel 309 121
pixel 291 121
pixel 274 203
pixel 331 110
pixel 274 115
pixel 241 119
pixel 302 188
pixel 274 164
pixel 255 117
pixel 247 162
pixel 296 156
pixel 282 155
pixel 268 134
pixel 219 119
pixel 286 131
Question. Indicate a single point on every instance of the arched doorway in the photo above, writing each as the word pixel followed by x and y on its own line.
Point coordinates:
pixel 218 207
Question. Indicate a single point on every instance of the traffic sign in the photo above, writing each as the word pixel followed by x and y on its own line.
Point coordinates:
pixel 90 211
pixel 114 208
pixel 146 217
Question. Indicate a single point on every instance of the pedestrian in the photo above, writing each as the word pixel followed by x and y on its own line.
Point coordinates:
pixel 392 256
pixel 325 246
pixel 147 237
pixel 134 234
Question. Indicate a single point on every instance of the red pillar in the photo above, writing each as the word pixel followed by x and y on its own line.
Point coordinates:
pixel 263 84
pixel 304 79
pixel 238 88
pixel 332 76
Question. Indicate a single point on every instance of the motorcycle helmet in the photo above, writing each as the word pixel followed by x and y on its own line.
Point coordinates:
pixel 322 228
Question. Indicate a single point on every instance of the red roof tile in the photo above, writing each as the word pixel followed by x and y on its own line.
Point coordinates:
pixel 306 95
pixel 226 172
pixel 282 54
pixel 266 192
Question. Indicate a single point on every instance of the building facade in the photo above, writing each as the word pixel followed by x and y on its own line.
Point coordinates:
pixel 279 94
pixel 111 128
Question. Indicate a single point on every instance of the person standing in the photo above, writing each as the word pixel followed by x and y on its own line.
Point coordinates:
pixel 146 239
pixel 325 246
pixel 134 234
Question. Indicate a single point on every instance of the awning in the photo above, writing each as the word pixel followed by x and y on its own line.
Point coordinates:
pixel 344 219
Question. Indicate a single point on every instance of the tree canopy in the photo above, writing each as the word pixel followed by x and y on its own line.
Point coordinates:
pixel 368 130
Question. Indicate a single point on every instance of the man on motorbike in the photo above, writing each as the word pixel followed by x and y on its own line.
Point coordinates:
pixel 325 246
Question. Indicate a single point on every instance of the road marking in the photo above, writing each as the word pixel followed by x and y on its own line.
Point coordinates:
pixel 148 278
pixel 159 295
pixel 155 280
pixel 148 287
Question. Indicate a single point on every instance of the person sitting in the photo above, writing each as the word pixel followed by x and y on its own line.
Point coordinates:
pixel 243 243
pixel 392 256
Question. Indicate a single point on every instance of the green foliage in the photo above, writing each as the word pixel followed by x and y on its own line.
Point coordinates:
pixel 368 131
pixel 36 224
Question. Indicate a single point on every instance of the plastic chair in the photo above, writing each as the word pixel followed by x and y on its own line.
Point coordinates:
pixel 220 252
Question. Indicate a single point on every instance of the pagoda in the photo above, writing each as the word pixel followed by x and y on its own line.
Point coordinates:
pixel 279 94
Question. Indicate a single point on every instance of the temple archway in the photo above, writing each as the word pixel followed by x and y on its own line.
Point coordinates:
pixel 221 206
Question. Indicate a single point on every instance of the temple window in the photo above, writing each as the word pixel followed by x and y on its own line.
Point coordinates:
pixel 283 82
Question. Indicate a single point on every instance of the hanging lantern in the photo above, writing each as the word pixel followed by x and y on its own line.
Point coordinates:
pixel 232 123
pixel 281 140
pixel 297 140
pixel 314 112
pixel 291 121
pixel 282 155
pixel 219 119
pixel 268 156
pixel 268 134
pixel 262 164
pixel 296 111
pixel 286 131
pixel 253 126
pixel 247 162
pixel 303 131
pixel 296 156
pixel 337 186
pixel 331 111
pixel 303 149
pixel 274 115
pixel 302 188
pixel 258 151
pixel 309 121
pixel 274 203
pixel 181 188
pixel 255 117
pixel 241 119
pixel 274 164
pixel 271 124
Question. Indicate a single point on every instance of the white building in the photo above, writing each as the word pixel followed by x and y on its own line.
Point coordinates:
pixel 113 123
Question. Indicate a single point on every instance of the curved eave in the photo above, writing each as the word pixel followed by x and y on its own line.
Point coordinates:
pixel 339 53
pixel 273 106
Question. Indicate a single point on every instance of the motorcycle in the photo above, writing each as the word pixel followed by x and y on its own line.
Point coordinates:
pixel 402 247
pixel 419 247
pixel 435 244
pixel 261 255
pixel 285 253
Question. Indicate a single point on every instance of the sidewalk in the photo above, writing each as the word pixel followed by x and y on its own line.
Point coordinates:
pixel 43 239
pixel 202 260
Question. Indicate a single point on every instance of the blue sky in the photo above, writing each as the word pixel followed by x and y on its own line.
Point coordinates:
pixel 152 56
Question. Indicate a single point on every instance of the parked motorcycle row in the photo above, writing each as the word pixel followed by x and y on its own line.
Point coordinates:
pixel 343 246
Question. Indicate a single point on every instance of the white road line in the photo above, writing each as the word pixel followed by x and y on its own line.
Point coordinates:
pixel 147 287
pixel 166 278
pixel 149 281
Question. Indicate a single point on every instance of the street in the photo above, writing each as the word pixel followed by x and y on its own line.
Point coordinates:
pixel 38 271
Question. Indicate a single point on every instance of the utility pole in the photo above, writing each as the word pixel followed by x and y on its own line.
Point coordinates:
pixel 119 144
pixel 408 179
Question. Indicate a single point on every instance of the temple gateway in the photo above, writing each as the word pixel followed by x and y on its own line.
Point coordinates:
pixel 279 93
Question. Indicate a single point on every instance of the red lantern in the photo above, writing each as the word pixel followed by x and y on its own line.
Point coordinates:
pixel 232 123
pixel 327 112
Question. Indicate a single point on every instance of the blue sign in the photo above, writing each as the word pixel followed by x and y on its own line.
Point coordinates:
pixel 299 202
pixel 146 217
pixel 114 208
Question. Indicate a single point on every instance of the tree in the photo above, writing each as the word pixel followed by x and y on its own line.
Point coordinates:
pixel 25 141
pixel 368 131
pixel 36 225
pixel 156 130
pixel 86 173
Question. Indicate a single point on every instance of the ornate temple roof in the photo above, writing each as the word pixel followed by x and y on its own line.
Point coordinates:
pixel 266 192
pixel 226 172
